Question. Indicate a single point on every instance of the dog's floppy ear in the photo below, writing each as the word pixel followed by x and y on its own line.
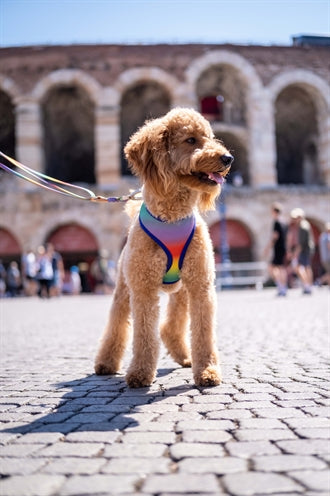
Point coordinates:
pixel 147 155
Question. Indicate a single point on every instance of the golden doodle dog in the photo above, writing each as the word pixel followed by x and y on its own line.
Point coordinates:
pixel 181 166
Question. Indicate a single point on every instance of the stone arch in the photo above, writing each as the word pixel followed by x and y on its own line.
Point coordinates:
pixel 67 77
pixel 317 93
pixel 258 115
pixel 140 100
pixel 68 121
pixel 239 238
pixel 75 242
pixel 10 247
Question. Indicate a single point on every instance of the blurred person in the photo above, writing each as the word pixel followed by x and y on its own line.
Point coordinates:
pixel 301 248
pixel 324 247
pixel 13 279
pixel 3 277
pixel 75 280
pixel 101 273
pixel 29 273
pixel 58 269
pixel 277 244
pixel 45 273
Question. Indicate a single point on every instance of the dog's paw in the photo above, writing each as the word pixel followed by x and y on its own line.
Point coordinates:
pixel 103 369
pixel 138 379
pixel 209 377
pixel 185 362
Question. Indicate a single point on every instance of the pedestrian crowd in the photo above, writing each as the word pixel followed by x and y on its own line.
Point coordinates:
pixel 293 247
pixel 42 272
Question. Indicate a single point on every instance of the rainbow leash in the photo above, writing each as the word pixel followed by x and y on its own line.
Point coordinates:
pixel 52 184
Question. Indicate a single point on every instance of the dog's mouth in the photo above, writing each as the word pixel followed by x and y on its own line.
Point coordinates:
pixel 212 178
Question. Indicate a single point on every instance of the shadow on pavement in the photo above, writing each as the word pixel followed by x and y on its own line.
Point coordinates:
pixel 95 403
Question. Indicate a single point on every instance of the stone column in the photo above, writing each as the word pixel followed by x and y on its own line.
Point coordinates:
pixel 107 140
pixel 262 143
pixel 29 134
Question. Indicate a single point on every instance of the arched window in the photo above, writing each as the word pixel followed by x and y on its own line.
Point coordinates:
pixel 221 94
pixel 140 102
pixel 7 125
pixel 68 122
pixel 296 137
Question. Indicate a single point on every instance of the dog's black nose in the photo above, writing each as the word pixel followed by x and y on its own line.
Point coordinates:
pixel 227 159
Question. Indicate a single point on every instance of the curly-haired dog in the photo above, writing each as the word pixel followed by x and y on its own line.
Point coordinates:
pixel 181 166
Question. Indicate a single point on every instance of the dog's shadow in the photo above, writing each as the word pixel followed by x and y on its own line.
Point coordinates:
pixel 97 403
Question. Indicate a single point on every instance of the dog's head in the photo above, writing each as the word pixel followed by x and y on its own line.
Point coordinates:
pixel 176 150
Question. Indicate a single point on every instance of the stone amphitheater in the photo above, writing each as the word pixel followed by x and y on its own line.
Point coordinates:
pixel 67 111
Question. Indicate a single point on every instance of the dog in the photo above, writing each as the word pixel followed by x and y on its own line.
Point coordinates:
pixel 182 167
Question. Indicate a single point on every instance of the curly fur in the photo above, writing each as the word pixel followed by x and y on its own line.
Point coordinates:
pixel 180 164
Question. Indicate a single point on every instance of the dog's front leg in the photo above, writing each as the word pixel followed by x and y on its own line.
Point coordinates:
pixel 145 309
pixel 205 362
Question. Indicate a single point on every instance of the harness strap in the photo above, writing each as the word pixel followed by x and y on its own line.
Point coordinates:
pixel 173 237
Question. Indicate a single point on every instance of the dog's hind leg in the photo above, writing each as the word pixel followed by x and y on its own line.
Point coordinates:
pixel 174 329
pixel 116 334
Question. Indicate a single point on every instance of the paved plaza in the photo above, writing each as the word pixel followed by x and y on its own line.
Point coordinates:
pixel 264 431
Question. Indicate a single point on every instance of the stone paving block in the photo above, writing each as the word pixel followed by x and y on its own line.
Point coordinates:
pixel 149 437
pixel 284 463
pixel 246 449
pixel 155 426
pixel 20 466
pixel 142 450
pixel 308 422
pixel 180 483
pixel 248 484
pixel 73 466
pixel 306 446
pixel 140 466
pixel 261 423
pixel 279 413
pixel 40 438
pixel 236 414
pixel 313 480
pixel 317 411
pixel 313 433
pixel 205 424
pixel 191 450
pixel 93 437
pixel 213 398
pixel 20 451
pixel 195 436
pixel 71 449
pixel 31 485
pixel 264 434
pixel 98 484
pixel 219 466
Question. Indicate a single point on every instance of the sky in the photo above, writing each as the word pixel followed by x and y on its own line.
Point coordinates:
pixel 63 22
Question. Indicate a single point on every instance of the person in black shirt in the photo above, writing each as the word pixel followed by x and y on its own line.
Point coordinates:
pixel 277 243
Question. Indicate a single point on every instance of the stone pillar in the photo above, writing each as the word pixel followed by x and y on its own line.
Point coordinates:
pixel 262 142
pixel 29 134
pixel 107 140
pixel 324 150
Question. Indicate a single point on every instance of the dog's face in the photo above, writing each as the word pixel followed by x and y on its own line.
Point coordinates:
pixel 179 149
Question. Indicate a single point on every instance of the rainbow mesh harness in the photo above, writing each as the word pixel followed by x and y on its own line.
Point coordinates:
pixel 173 237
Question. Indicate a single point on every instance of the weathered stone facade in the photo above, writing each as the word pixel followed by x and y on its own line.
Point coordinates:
pixel 274 115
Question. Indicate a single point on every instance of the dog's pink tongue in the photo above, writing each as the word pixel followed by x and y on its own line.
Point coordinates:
pixel 216 177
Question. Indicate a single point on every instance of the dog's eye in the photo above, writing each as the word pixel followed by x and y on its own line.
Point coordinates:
pixel 191 141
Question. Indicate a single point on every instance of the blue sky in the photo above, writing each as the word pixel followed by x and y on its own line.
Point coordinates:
pixel 33 22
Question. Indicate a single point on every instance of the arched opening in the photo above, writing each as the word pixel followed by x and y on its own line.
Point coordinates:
pixel 75 243
pixel 221 93
pixel 296 137
pixel 7 125
pixel 239 152
pixel 140 102
pixel 239 240
pixel 10 249
pixel 68 123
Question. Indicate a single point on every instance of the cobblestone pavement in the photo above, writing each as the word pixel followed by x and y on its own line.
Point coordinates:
pixel 264 431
